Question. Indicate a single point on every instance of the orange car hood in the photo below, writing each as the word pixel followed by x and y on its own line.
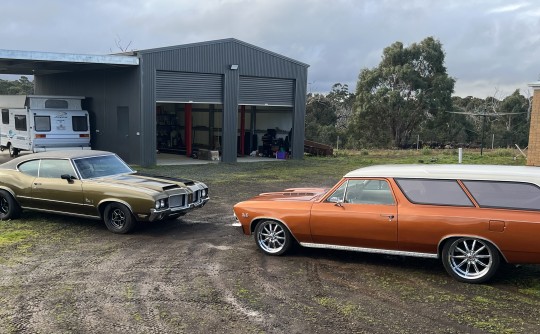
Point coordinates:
pixel 292 194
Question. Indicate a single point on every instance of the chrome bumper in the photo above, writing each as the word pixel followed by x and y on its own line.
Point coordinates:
pixel 162 214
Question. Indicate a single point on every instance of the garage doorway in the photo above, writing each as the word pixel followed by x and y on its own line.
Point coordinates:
pixel 173 122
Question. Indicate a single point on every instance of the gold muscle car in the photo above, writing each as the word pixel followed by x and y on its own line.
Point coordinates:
pixel 94 184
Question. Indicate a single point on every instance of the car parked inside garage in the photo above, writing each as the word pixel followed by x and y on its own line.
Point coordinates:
pixel 472 217
pixel 94 184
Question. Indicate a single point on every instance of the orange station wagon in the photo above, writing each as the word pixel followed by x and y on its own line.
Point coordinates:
pixel 472 217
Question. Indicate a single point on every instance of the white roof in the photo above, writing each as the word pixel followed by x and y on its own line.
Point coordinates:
pixel 462 172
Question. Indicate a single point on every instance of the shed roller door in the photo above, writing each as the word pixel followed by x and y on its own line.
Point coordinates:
pixel 266 91
pixel 189 87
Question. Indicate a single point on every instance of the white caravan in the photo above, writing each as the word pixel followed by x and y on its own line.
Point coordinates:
pixel 43 123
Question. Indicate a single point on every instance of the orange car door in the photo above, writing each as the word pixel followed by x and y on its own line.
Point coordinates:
pixel 360 213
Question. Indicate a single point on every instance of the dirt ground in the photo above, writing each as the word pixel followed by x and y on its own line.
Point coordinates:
pixel 199 274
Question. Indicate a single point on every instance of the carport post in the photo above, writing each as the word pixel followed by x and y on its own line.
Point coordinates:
pixel 187 128
pixel 242 129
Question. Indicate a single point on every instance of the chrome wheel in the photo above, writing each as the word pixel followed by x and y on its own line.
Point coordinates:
pixel 470 260
pixel 4 206
pixel 272 237
pixel 118 218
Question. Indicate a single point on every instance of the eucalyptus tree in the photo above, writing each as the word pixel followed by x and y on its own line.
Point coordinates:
pixel 407 88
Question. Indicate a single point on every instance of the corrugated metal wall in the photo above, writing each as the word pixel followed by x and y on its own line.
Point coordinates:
pixel 198 72
pixel 265 70
pixel 105 91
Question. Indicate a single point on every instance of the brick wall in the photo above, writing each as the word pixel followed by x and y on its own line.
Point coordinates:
pixel 533 154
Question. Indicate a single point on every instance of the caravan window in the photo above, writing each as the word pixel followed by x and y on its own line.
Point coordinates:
pixel 5 116
pixel 80 123
pixel 56 104
pixel 42 123
pixel 20 122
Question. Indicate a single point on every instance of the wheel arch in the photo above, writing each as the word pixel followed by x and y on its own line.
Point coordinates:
pixel 256 220
pixel 103 204
pixel 449 238
pixel 10 192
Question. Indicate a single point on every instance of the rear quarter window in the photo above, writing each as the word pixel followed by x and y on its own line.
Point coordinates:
pixel 509 195
pixel 434 192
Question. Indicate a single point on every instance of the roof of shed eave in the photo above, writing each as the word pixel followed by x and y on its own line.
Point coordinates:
pixel 69 57
pixel 535 85
pixel 219 41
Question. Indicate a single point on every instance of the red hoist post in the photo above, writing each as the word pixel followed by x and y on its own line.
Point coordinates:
pixel 242 129
pixel 187 128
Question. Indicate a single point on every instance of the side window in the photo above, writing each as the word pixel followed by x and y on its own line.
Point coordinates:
pixel 79 123
pixel 512 195
pixel 20 123
pixel 435 192
pixel 363 192
pixel 54 168
pixel 5 116
pixel 368 192
pixel 338 194
pixel 30 167
pixel 56 104
pixel 42 123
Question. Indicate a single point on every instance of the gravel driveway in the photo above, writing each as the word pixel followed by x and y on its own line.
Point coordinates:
pixel 199 274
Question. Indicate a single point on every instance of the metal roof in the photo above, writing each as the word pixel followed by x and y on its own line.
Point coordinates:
pixel 220 41
pixel 462 172
pixel 35 62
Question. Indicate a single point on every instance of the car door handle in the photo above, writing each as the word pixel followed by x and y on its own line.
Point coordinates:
pixel 389 216
pixel 37 183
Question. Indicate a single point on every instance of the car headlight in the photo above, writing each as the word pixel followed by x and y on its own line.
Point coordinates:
pixel 204 192
pixel 160 204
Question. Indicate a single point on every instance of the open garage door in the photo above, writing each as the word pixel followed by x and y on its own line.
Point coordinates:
pixel 187 87
pixel 266 91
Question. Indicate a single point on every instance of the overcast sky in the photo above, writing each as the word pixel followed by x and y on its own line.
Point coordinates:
pixel 492 46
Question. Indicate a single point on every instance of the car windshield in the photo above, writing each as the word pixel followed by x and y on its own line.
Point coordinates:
pixel 100 166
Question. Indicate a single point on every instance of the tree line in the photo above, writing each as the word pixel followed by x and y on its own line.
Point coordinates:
pixel 407 101
pixel 22 86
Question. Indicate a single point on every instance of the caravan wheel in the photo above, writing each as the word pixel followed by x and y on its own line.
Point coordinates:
pixel 13 152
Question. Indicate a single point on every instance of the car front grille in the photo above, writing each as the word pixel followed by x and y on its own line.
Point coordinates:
pixel 176 200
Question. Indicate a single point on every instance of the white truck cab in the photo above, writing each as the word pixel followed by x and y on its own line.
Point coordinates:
pixel 43 123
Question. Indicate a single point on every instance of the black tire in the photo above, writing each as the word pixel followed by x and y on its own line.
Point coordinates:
pixel 470 260
pixel 118 218
pixel 9 208
pixel 13 152
pixel 272 237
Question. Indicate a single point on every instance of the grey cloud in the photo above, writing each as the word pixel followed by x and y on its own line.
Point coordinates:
pixel 488 43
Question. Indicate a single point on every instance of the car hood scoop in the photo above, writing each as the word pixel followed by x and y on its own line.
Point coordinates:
pixel 296 194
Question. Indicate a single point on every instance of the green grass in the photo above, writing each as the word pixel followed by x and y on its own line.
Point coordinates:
pixel 330 167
